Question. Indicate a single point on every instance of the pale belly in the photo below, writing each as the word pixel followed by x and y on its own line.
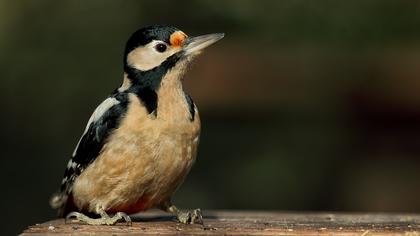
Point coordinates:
pixel 139 167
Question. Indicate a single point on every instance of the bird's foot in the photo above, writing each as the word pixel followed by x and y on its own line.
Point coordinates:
pixel 190 217
pixel 104 220
pixel 185 217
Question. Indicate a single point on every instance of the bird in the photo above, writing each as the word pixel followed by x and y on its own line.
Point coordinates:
pixel 141 141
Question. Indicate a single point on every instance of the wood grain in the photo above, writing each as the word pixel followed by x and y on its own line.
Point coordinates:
pixel 246 223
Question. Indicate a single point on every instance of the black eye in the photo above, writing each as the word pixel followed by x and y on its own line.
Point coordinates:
pixel 160 47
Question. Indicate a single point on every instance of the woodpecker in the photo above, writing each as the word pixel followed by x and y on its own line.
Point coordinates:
pixel 141 141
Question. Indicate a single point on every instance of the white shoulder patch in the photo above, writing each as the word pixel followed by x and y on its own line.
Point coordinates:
pixel 97 114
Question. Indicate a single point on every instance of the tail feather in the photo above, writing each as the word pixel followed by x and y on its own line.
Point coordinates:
pixel 58 201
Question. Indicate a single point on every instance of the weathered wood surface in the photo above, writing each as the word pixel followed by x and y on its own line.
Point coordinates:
pixel 246 223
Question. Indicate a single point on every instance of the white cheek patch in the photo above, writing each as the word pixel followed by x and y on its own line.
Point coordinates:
pixel 146 57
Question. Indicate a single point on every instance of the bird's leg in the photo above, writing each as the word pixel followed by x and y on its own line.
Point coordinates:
pixel 104 220
pixel 185 217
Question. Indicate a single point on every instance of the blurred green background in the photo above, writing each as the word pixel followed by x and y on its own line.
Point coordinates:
pixel 305 105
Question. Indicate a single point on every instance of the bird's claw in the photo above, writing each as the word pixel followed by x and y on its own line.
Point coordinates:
pixel 104 220
pixel 122 215
pixel 190 217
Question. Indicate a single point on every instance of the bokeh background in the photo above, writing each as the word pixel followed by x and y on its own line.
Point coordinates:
pixel 305 105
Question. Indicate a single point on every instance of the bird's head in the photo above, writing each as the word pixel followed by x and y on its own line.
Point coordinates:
pixel 153 51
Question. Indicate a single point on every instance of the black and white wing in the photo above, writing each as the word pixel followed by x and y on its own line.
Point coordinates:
pixel 103 121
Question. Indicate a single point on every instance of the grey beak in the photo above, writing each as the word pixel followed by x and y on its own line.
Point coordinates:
pixel 198 43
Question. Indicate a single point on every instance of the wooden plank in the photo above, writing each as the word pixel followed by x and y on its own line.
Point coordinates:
pixel 246 223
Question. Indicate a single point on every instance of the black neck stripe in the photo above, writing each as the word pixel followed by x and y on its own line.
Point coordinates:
pixel 146 83
pixel 151 78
